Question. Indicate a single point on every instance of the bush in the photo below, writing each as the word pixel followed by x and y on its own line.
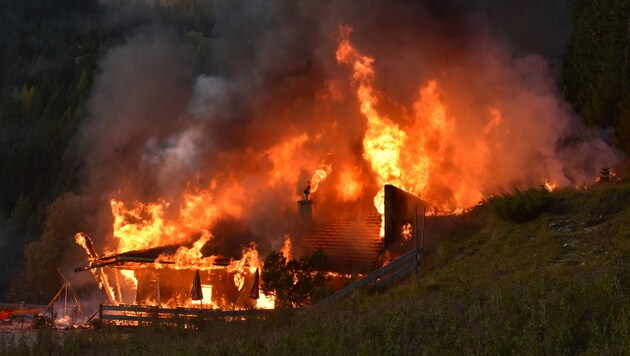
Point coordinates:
pixel 294 283
pixel 520 206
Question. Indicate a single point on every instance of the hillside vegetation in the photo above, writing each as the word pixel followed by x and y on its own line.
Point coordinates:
pixel 557 284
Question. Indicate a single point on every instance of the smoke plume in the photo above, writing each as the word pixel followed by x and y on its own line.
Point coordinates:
pixel 276 105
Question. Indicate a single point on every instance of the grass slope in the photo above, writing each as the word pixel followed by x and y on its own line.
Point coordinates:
pixel 558 284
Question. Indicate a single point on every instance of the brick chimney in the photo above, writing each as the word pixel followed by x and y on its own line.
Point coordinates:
pixel 305 212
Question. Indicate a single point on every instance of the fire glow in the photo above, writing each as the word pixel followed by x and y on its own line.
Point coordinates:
pixel 419 145
pixel 409 158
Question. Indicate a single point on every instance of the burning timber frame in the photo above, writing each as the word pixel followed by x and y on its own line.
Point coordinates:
pixel 401 211
pixel 129 257
pixel 156 282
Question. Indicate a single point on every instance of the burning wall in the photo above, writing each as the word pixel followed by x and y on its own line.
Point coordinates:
pixel 163 276
pixel 365 240
pixel 172 288
pixel 424 96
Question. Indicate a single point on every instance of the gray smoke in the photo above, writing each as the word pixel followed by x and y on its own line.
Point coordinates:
pixel 155 126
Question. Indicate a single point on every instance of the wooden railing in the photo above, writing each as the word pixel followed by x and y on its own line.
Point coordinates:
pixel 148 315
pixel 394 271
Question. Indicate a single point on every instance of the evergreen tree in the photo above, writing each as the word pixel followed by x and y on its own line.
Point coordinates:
pixel 596 71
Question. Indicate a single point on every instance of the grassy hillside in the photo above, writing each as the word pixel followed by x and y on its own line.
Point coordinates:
pixel 558 284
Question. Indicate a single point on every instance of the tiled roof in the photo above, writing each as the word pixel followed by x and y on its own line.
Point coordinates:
pixel 352 243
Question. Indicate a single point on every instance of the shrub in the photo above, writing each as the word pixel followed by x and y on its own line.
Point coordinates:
pixel 521 206
pixel 293 282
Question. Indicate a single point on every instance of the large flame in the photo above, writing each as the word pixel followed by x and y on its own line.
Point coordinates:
pixel 145 225
pixel 350 185
pixel 384 139
pixel 408 152
pixel 416 156
pixel 419 146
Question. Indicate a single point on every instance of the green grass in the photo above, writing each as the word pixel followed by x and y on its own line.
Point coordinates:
pixel 556 284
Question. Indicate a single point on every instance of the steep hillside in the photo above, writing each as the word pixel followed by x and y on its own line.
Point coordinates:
pixel 582 230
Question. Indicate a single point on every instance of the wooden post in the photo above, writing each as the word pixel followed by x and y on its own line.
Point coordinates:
pixel 415 233
pixel 65 300
pixel 424 218
pixel 159 302
pixel 52 310
pixel 415 226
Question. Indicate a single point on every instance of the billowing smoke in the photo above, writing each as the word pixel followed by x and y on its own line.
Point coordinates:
pixel 276 105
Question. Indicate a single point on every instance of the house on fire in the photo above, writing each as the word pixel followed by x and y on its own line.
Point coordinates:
pixel 158 283
pixel 352 243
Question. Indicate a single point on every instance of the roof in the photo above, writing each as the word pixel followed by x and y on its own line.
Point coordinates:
pixel 351 243
pixel 137 257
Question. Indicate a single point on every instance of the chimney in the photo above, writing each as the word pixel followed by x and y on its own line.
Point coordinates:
pixel 305 212
pixel 305 207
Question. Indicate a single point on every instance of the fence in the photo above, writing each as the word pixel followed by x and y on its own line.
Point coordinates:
pixel 147 315
pixel 397 269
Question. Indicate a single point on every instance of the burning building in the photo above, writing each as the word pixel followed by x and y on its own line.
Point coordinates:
pixel 364 240
pixel 354 244
pixel 212 164
pixel 164 276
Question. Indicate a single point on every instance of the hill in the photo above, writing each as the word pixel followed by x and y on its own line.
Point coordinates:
pixel 557 284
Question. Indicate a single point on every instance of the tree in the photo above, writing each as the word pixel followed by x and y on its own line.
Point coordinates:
pixel 293 282
pixel 596 76
pixel 51 252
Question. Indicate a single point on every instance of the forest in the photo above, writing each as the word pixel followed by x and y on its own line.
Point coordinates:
pixel 49 58
pixel 49 54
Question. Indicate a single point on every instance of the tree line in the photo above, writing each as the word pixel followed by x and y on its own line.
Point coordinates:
pixel 596 66
pixel 49 54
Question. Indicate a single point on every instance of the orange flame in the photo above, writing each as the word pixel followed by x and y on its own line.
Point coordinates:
pixel 283 156
pixel 189 257
pixel 350 187
pixel 149 225
pixel 101 278
pixel 406 232
pixel 414 157
pixel 415 149
pixel 550 185
pixel 383 139
pixel 145 225
pixel 287 247
pixel 319 175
